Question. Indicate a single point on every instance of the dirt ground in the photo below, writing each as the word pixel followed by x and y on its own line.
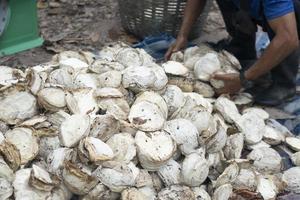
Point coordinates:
pixel 71 25
pixel 87 25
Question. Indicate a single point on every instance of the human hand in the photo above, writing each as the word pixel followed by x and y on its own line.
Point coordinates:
pixel 180 43
pixel 232 83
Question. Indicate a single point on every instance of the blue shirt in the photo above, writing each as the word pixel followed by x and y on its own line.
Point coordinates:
pixel 271 8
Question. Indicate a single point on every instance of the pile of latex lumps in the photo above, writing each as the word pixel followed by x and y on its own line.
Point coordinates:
pixel 119 126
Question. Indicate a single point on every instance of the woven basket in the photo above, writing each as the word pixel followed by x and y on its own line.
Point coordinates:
pixel 151 17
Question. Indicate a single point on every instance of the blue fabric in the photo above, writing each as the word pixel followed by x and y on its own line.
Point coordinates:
pixel 271 8
pixel 157 45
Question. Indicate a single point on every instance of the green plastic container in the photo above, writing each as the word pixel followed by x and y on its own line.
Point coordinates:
pixel 21 29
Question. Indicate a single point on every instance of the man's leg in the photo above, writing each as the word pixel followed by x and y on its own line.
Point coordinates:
pixel 242 45
pixel 284 82
pixel 286 72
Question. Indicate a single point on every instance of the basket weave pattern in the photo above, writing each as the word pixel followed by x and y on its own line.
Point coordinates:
pixel 150 17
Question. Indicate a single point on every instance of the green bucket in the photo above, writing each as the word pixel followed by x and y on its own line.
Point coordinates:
pixel 19 28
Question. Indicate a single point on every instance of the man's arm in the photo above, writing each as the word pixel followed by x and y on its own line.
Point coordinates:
pixel 192 11
pixel 283 44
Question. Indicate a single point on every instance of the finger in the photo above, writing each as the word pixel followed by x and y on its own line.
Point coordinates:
pixel 173 49
pixel 169 52
pixel 176 48
pixel 223 90
pixel 222 77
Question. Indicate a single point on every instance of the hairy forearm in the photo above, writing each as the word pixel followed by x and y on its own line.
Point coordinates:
pixel 277 51
pixel 192 11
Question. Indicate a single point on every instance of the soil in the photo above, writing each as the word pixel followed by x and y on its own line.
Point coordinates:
pixel 71 25
pixel 87 25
